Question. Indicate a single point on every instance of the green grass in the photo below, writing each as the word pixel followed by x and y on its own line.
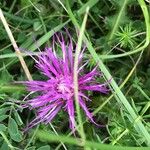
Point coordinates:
pixel 124 111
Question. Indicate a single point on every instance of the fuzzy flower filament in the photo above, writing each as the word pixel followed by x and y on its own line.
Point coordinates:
pixel 57 92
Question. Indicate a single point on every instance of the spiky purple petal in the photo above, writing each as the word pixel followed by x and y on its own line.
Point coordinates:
pixel 57 92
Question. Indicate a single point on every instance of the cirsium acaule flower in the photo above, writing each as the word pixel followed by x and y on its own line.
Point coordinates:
pixel 57 92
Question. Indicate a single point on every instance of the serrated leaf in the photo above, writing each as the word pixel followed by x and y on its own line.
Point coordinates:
pixel 15 134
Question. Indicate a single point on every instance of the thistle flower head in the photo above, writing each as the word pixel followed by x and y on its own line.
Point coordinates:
pixel 57 92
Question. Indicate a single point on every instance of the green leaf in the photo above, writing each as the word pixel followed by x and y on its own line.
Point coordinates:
pixel 118 19
pixel 37 25
pixel 5 76
pixel 17 137
pixel 31 148
pixel 4 146
pixel 12 88
pixel 46 37
pixel 21 37
pixel 26 43
pixel 45 136
pixel 46 147
pixel 89 4
pixel 120 97
pixel 4 110
pixel 2 127
pixel 3 117
pixel 17 118
pixel 15 134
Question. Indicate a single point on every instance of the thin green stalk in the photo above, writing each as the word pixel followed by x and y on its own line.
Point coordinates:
pixel 142 92
pixel 7 141
pixel 76 88
pixel 11 88
pixel 120 136
pixel 146 107
pixel 8 64
pixel 117 21
pixel 90 3
pixel 19 19
pixel 120 97
pixel 121 86
pixel 36 8
pixel 147 22
pixel 75 141
pixel 62 5
pixel 12 6
pixel 46 37
pixel 11 55
pixel 44 27
pixel 56 133
pixel 110 97
pixel 31 139
pixel 10 35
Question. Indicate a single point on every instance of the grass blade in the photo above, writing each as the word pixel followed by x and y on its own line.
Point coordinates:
pixel 120 97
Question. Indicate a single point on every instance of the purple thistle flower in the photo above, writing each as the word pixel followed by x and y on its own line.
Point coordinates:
pixel 57 92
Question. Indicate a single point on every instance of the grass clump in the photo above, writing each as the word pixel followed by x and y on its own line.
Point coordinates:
pixel 116 34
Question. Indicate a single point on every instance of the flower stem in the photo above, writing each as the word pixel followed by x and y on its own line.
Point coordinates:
pixel 7 141
pixel 77 53
pixel 120 97
pixel 18 53
pixel 11 88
